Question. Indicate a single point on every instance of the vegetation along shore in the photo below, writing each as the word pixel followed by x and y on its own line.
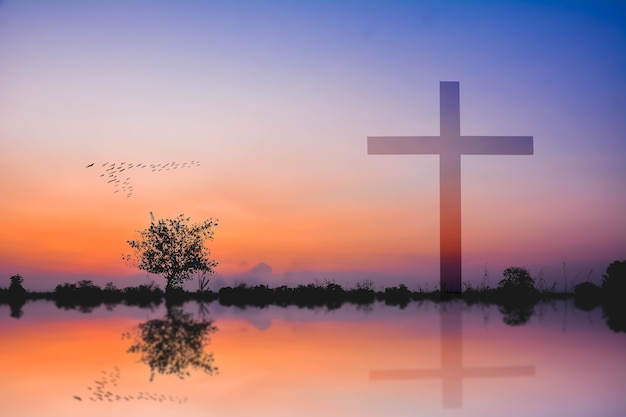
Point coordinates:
pixel 516 293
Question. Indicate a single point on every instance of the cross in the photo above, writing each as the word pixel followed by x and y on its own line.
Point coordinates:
pixel 452 371
pixel 450 145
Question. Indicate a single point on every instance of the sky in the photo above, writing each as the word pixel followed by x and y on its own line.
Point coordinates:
pixel 276 100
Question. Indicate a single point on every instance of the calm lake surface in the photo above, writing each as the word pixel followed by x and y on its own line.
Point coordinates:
pixel 427 359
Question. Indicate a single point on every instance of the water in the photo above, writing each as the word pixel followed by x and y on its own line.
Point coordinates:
pixel 425 360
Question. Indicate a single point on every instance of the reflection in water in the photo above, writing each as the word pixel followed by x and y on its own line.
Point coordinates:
pixel 105 389
pixel 516 314
pixel 16 305
pixel 174 344
pixel 102 390
pixel 615 315
pixel 309 363
pixel 452 370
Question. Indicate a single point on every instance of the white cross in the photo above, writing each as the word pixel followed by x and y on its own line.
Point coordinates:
pixel 450 145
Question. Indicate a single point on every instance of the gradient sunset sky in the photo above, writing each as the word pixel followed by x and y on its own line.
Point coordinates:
pixel 276 99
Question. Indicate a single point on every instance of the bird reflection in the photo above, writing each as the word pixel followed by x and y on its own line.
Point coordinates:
pixel 174 344
pixel 113 169
pixel 105 389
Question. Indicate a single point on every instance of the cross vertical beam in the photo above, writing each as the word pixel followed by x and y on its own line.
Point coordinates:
pixel 449 188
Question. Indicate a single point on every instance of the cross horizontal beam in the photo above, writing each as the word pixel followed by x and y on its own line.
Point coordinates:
pixel 463 145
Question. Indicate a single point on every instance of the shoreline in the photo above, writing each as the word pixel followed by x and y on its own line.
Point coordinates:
pixel 329 295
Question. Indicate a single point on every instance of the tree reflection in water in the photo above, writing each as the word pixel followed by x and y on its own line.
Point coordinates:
pixel 16 307
pixel 516 314
pixel 174 344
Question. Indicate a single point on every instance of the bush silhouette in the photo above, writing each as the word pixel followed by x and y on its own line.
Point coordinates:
pixel 400 296
pixel 614 280
pixel 16 288
pixel 143 295
pixel 517 280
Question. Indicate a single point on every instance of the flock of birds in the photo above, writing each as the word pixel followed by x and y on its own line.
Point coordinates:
pixel 113 172
pixel 103 391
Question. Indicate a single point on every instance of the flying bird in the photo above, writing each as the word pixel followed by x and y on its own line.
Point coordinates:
pixel 112 171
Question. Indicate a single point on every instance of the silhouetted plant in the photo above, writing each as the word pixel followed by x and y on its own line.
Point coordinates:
pixel 363 293
pixel 517 280
pixel 83 296
pixel 541 284
pixel 87 289
pixel 399 296
pixel 17 296
pixel 366 284
pixel 174 248
pixel 143 295
pixel 65 288
pixel 614 280
pixel 65 295
pixel 174 344
pixel 16 288
pixel 203 282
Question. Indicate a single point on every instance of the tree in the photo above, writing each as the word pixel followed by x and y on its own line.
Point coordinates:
pixel 174 248
pixel 517 279
pixel 16 285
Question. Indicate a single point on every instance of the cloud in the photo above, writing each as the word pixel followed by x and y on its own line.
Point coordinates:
pixel 261 270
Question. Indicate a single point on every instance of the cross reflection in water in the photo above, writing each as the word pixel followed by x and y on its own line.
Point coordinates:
pixel 452 372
